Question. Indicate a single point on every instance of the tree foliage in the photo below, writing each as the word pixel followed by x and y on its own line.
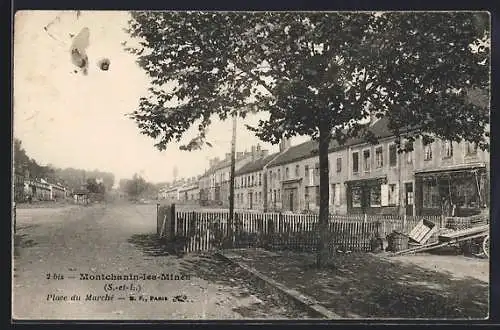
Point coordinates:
pixel 138 187
pixel 307 68
pixel 315 74
pixel 70 177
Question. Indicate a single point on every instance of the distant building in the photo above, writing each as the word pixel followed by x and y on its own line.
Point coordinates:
pixel 250 182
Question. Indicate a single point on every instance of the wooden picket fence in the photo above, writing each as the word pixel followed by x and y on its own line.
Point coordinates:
pixel 207 230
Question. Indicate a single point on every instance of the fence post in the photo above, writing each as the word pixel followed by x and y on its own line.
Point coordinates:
pixel 404 223
pixel 365 218
pixel 173 217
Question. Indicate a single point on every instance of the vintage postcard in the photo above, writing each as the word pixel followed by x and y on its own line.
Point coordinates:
pixel 200 165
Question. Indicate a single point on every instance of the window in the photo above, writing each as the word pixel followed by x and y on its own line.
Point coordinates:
pixel 252 180
pixel 279 194
pixel 306 193
pixel 379 157
pixel 335 192
pixel 286 173
pixel 332 194
pixel 339 164
pixel 260 179
pixel 279 174
pixel 409 157
pixel 316 169
pixel 366 160
pixel 427 151
pixel 355 162
pixel 356 196
pixel 306 171
pixel 375 193
pixel 393 194
pixel 393 158
pixel 297 171
pixel 447 149
pixel 430 192
pixel 317 195
pixel 470 148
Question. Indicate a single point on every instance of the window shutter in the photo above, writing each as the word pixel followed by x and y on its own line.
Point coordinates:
pixel 396 194
pixel 384 195
pixel 337 194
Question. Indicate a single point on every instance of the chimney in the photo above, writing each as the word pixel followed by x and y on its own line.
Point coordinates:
pixel 254 152
pixel 284 144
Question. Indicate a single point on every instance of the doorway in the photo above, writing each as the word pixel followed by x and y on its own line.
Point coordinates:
pixel 409 198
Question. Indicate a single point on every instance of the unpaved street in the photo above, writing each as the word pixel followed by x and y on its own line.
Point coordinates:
pixel 54 246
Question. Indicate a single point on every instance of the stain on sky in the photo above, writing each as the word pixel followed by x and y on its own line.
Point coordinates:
pixel 78 48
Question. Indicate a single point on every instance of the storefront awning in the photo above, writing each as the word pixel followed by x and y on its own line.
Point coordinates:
pixel 291 180
pixel 374 180
pixel 452 170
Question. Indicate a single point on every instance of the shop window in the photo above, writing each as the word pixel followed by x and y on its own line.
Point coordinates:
pixel 375 195
pixel 393 194
pixel 355 162
pixel 393 155
pixel 430 192
pixel 366 160
pixel 356 196
pixel 447 149
pixel 379 157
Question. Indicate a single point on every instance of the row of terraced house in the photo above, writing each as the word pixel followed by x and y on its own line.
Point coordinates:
pixel 26 188
pixel 436 178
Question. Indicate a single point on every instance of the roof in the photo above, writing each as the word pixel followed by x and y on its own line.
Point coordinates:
pixel 81 192
pixel 256 165
pixel 310 149
pixel 222 164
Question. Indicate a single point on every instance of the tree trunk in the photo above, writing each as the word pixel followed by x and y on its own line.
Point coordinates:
pixel 324 256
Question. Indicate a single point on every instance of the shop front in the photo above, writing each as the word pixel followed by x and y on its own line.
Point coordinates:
pixel 368 196
pixel 453 192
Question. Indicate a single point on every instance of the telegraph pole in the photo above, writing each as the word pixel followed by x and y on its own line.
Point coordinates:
pixel 231 181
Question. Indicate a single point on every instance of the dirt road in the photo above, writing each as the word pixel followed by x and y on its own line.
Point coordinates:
pixel 68 262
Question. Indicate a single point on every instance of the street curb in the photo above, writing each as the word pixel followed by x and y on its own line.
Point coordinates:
pixel 309 303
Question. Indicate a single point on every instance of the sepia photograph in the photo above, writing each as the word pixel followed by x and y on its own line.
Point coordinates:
pixel 251 165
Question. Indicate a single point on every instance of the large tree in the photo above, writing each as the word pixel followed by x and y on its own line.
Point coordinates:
pixel 316 74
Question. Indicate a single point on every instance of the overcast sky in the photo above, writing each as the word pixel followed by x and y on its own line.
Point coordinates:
pixel 71 120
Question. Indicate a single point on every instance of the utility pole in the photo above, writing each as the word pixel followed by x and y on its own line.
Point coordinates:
pixel 231 181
